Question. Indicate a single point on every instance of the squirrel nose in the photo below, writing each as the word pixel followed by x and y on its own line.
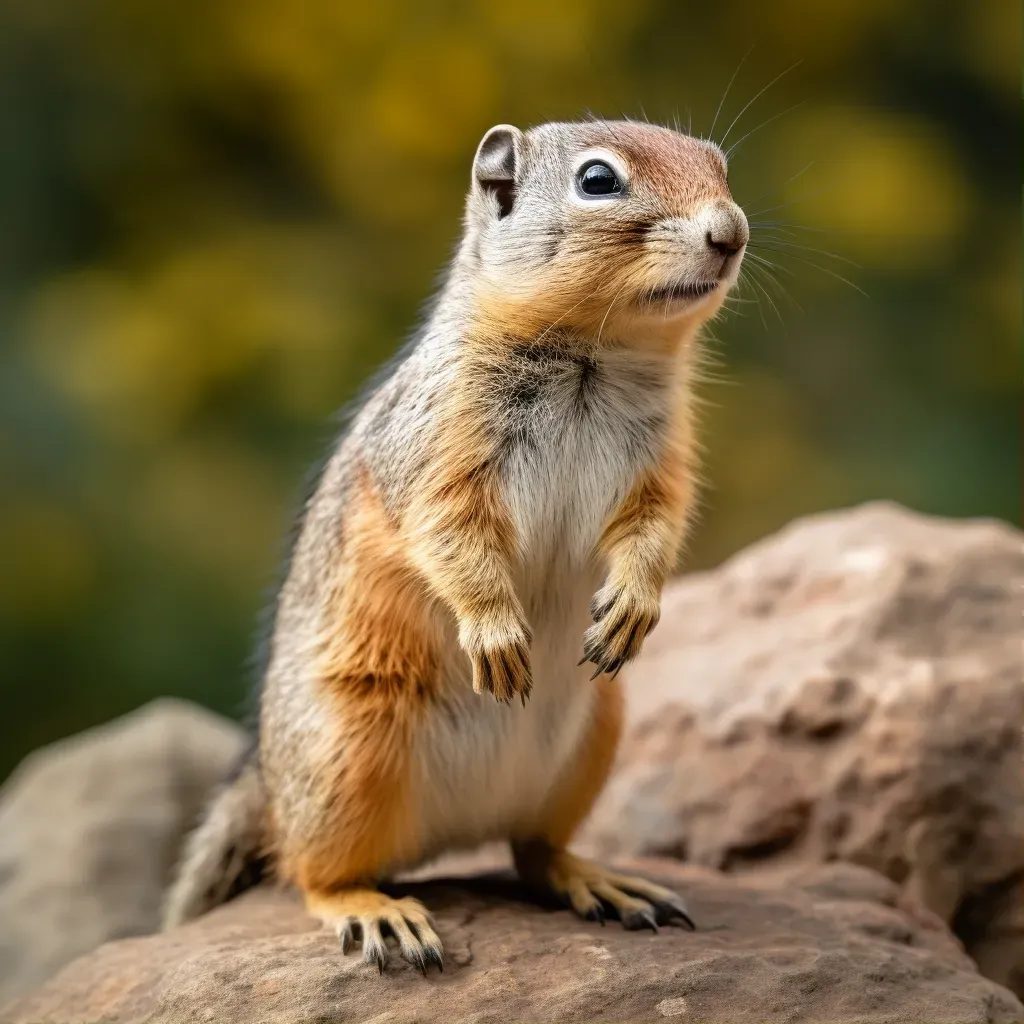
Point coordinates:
pixel 727 230
pixel 726 246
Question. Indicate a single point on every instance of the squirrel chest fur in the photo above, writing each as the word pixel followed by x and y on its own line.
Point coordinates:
pixel 487 545
pixel 577 426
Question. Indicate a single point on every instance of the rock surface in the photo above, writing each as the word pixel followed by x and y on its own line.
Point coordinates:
pixel 90 828
pixel 849 689
pixel 836 948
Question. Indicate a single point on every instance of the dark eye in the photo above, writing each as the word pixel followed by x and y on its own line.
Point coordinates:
pixel 598 179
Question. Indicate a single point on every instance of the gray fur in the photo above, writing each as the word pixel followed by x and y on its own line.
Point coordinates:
pixel 577 414
pixel 217 854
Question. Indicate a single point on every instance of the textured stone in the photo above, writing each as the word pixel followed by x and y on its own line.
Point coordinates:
pixel 849 689
pixel 837 948
pixel 90 828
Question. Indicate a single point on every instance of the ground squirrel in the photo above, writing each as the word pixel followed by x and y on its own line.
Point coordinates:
pixel 510 496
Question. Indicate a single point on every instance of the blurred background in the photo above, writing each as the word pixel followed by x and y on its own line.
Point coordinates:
pixel 216 219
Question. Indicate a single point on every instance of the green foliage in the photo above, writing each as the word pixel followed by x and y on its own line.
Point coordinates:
pixel 218 218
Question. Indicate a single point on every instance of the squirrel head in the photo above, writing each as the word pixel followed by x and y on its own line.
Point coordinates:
pixel 612 228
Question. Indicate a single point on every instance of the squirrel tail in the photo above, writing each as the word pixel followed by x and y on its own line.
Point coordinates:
pixel 224 854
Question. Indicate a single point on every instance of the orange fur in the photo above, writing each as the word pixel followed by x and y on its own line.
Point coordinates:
pixel 379 669
pixel 463 541
pixel 382 607
pixel 462 535
pixel 602 311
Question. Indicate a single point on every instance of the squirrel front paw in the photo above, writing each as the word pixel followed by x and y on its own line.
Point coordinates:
pixel 500 659
pixel 622 621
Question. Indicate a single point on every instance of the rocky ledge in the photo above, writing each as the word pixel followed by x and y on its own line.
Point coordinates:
pixel 849 689
pixel 840 946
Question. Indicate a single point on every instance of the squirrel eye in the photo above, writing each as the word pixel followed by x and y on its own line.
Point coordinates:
pixel 598 179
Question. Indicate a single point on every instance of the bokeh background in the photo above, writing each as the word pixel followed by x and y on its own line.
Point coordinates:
pixel 217 218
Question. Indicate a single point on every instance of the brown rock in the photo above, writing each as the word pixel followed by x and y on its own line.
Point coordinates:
pixel 835 948
pixel 849 689
pixel 90 828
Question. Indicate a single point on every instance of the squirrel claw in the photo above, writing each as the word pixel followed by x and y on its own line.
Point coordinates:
pixel 375 952
pixel 365 914
pixel 594 891
pixel 673 913
pixel 635 920
pixel 503 672
pixel 618 634
pixel 417 960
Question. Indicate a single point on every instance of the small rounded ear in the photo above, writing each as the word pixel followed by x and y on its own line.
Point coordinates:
pixel 497 165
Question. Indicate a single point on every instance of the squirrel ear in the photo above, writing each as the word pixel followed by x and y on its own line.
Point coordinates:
pixel 497 164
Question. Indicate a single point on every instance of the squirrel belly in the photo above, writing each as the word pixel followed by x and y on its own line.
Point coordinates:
pixel 487 544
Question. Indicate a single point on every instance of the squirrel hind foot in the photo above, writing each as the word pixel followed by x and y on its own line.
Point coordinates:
pixel 595 892
pixel 370 917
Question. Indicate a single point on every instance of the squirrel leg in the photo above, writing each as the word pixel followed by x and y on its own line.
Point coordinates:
pixel 640 542
pixel 366 914
pixel 335 868
pixel 346 804
pixel 592 891
pixel 335 876
pixel 357 822
pixel 463 539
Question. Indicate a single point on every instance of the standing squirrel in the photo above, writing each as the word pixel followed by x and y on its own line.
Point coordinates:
pixel 521 481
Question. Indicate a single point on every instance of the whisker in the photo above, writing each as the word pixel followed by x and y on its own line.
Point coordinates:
pixel 736 145
pixel 748 278
pixel 757 259
pixel 817 266
pixel 755 98
pixel 711 133
pixel 559 319
pixel 775 188
pixel 608 310
pixel 766 273
pixel 774 266
pixel 811 248
pixel 764 291
pixel 765 281
pixel 801 199
pixel 769 270
pixel 788 225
